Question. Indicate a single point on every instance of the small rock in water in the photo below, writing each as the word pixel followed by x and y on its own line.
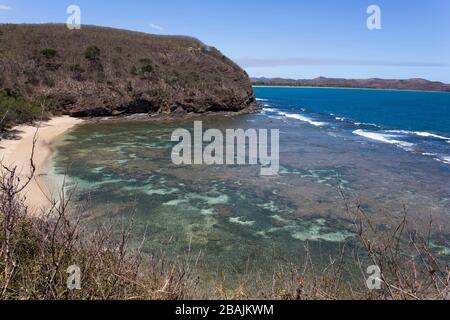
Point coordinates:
pixel 223 177
pixel 172 184
pixel 201 188
pixel 225 211
pixel 383 227
pixel 278 223
pixel 214 237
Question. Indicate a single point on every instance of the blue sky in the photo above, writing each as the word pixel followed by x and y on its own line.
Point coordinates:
pixel 286 38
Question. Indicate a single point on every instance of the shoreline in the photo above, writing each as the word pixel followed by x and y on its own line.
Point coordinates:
pixel 17 153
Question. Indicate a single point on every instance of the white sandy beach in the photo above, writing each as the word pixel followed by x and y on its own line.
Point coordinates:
pixel 18 152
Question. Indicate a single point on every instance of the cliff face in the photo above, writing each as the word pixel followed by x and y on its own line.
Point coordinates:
pixel 101 71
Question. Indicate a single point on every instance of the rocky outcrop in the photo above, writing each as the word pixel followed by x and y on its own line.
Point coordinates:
pixel 99 71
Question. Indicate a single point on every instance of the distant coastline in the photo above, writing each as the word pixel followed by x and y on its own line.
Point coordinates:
pixel 370 84
pixel 344 88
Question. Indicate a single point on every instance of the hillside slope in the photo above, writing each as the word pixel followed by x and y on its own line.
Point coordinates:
pixel 100 71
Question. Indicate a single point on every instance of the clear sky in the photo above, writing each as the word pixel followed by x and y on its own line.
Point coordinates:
pixel 285 38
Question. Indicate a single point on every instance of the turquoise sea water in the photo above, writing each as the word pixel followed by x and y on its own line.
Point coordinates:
pixel 243 222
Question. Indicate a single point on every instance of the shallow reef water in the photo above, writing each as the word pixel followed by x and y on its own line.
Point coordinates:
pixel 235 217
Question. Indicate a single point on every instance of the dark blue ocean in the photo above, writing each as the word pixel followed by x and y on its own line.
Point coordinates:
pixel 415 121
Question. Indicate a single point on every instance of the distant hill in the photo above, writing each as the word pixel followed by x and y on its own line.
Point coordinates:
pixel 100 71
pixel 409 84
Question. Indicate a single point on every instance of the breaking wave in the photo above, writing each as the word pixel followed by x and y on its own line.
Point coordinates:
pixel 295 116
pixel 420 142
pixel 386 138
pixel 420 134
pixel 300 117
pixel 445 159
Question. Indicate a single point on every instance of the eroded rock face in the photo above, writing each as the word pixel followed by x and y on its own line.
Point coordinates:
pixel 105 72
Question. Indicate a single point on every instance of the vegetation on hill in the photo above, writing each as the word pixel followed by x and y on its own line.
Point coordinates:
pixel 99 71
pixel 16 109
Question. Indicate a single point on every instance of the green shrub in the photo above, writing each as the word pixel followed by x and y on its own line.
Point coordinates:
pixel 92 53
pixel 16 110
pixel 49 53
pixel 148 68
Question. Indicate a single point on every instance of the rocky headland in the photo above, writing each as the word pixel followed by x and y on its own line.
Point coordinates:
pixel 97 72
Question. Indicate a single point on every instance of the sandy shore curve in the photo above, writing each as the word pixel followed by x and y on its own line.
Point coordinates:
pixel 17 153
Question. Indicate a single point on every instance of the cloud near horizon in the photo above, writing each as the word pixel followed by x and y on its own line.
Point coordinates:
pixel 156 27
pixel 269 63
